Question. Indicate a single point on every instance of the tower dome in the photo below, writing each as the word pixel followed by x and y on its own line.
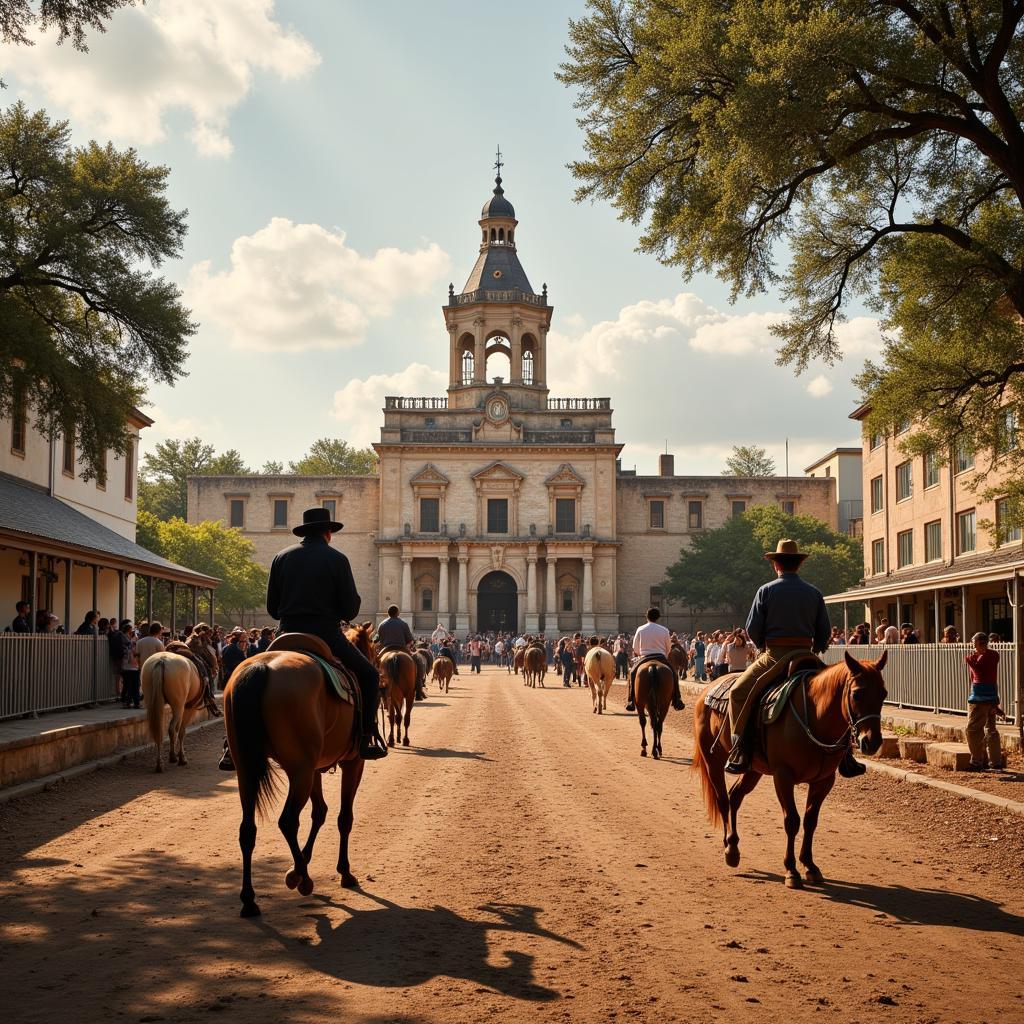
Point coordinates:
pixel 497 205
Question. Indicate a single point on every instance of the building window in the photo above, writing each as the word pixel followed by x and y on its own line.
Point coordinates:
pixel 430 515
pixel 236 513
pixel 964 457
pixel 876 494
pixel 904 481
pixel 789 507
pixel 430 421
pixel 1006 534
pixel 566 424
pixel 877 556
pixel 904 548
pixel 966 532
pixel 68 457
pixel 933 541
pixel 738 507
pixel 656 597
pixel 875 440
pixel 903 426
pixel 931 469
pixel 695 515
pixel 427 599
pixel 280 513
pixel 568 597
pixel 656 515
pixel 331 504
pixel 467 367
pixel 129 472
pixel 527 367
pixel 1009 430
pixel 497 515
pixel 565 515
pixel 19 428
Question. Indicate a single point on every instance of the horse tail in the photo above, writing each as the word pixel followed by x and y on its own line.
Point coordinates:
pixel 701 766
pixel 244 719
pixel 652 695
pixel 155 701
pixel 394 669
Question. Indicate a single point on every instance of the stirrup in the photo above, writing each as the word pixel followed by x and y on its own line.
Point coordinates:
pixel 372 747
pixel 225 764
pixel 739 759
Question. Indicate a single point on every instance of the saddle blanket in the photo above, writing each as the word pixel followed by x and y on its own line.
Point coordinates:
pixel 771 703
pixel 343 684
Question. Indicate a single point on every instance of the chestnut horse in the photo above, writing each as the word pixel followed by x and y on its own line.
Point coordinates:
pixel 277 705
pixel 678 660
pixel 398 681
pixel 653 695
pixel 442 673
pixel 600 668
pixel 805 745
pixel 535 666
pixel 170 679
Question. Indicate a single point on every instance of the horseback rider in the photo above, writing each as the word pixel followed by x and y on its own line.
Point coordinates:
pixel 394 634
pixel 448 651
pixel 311 590
pixel 787 617
pixel 652 642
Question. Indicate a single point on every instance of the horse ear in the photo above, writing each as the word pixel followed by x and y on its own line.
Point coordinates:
pixel 852 663
pixel 367 625
pixel 880 664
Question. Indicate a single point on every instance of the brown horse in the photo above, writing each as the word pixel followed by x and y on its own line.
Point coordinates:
pixel 535 666
pixel 517 659
pixel 170 679
pixel 276 705
pixel 805 745
pixel 442 672
pixel 678 660
pixel 398 680
pixel 653 693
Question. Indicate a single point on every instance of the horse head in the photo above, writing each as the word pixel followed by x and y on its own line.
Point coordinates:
pixel 361 637
pixel 865 697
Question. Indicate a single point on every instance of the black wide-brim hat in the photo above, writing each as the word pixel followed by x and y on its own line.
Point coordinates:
pixel 316 520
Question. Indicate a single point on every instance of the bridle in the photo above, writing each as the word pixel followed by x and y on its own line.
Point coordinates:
pixel 853 723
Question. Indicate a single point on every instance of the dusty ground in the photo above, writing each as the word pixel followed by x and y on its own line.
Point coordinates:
pixel 520 862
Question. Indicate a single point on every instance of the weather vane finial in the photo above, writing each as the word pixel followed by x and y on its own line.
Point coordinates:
pixel 497 163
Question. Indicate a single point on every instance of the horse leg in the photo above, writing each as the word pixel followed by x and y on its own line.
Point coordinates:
pixel 300 785
pixel 408 719
pixel 172 734
pixel 791 820
pixel 247 843
pixel 391 722
pixel 735 798
pixel 319 815
pixel 182 730
pixel 351 774
pixel 816 794
pixel 643 730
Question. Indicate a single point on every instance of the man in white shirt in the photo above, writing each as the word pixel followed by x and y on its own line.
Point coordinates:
pixel 150 644
pixel 652 642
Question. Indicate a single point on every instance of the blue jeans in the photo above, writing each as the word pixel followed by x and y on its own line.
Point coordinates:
pixel 698 670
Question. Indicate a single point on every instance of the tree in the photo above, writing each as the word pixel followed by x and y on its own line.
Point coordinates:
pixel 749 460
pixel 334 457
pixel 86 324
pixel 163 487
pixel 879 140
pixel 724 567
pixel 272 468
pixel 215 550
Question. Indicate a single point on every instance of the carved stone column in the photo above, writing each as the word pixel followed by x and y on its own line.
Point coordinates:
pixel 442 591
pixel 551 599
pixel 532 623
pixel 587 618
pixel 462 609
pixel 407 608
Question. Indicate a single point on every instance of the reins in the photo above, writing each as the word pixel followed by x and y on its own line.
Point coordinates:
pixel 852 724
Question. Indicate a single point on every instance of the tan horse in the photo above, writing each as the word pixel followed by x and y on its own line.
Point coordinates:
pixel 535 666
pixel 653 692
pixel 398 680
pixel 517 659
pixel 442 672
pixel 599 666
pixel 805 745
pixel 170 679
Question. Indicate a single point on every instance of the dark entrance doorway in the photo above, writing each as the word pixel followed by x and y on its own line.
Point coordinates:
pixel 497 603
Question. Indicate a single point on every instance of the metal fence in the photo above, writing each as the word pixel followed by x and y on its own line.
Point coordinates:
pixel 48 673
pixel 932 677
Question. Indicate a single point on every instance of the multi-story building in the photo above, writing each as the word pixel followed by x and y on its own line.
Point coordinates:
pixel 845 465
pixel 498 506
pixel 936 554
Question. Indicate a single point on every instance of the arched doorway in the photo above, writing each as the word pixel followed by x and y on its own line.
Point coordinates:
pixel 497 603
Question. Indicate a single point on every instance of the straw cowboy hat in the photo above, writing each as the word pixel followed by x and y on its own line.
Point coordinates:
pixel 316 520
pixel 787 548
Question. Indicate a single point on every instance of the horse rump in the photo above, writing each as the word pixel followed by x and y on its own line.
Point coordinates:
pixel 247 732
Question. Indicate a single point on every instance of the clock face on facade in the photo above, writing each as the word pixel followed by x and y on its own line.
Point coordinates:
pixel 497 408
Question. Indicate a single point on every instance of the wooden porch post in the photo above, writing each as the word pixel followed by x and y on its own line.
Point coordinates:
pixel 195 605
pixel 149 598
pixel 212 607
pixel 120 596
pixel 67 594
pixel 174 607
pixel 33 572
pixel 936 594
pixel 96 586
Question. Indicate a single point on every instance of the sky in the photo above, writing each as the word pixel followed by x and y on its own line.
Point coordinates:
pixel 334 155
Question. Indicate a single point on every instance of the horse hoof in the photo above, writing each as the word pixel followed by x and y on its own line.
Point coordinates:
pixel 643 753
pixel 249 910
pixel 405 742
pixel 349 881
pixel 306 886
pixel 655 755
pixel 172 759
pixel 793 880
pixel 159 768
pixel 182 763
pixel 814 877
pixel 292 879
pixel 732 856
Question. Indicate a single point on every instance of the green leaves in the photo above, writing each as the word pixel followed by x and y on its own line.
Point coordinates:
pixel 163 487
pixel 334 457
pixel 749 460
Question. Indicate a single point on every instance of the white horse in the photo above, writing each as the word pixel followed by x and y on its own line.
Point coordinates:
pixel 599 666
pixel 170 679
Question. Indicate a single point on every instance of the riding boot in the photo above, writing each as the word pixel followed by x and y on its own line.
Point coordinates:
pixel 677 698
pixel 225 764
pixel 371 745
pixel 630 696
pixel 739 756
pixel 850 767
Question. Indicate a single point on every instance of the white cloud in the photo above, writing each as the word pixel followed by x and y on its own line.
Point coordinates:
pixel 736 334
pixel 860 336
pixel 358 404
pixel 819 387
pixel 166 56
pixel 299 286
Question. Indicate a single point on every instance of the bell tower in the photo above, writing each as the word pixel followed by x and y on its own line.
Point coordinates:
pixel 497 312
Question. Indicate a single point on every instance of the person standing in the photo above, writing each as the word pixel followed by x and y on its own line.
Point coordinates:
pixel 149 644
pixel 983 701
pixel 88 626
pixel 131 691
pixel 475 653
pixel 699 658
pixel 235 652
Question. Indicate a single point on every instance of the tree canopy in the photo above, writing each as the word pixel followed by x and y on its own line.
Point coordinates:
pixel 87 324
pixel 163 484
pixel 749 460
pixel 877 143
pixel 334 457
pixel 724 567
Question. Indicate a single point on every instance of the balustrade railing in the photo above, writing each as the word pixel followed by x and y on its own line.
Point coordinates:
pixel 396 402
pixel 579 404
pixel 52 672
pixel 492 295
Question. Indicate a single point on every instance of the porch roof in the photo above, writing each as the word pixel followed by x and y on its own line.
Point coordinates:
pixel 33 520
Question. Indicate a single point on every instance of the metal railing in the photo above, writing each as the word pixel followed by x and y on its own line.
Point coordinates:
pixel 493 295
pixel 397 402
pixel 581 404
pixel 931 677
pixel 49 673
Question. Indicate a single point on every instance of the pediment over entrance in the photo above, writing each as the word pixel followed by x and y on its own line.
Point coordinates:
pixel 430 474
pixel 565 474
pixel 496 472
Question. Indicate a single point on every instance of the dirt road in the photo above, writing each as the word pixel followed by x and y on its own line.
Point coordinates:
pixel 519 862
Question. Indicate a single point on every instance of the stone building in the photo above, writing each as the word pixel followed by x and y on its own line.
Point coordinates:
pixel 497 505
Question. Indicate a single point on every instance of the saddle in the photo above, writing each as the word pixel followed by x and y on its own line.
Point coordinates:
pixel 340 681
pixel 205 698
pixel 776 686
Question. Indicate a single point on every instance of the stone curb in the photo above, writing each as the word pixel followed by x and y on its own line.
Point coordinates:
pixel 49 781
